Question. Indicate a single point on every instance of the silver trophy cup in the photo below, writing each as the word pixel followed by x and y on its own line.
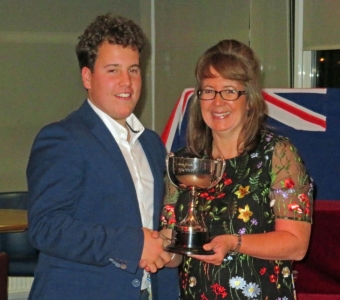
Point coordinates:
pixel 192 174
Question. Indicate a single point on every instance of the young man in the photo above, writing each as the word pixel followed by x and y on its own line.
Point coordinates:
pixel 95 182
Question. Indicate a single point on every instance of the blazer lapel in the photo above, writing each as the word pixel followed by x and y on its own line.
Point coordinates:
pixel 158 176
pixel 106 140
pixel 104 136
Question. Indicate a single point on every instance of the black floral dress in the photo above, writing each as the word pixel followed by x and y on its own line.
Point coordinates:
pixel 257 188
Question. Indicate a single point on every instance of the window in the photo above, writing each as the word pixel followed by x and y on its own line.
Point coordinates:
pixel 327 68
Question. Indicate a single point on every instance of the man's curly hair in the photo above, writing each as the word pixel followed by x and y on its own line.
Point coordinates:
pixel 116 30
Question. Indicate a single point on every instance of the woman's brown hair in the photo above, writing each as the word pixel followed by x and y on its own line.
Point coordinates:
pixel 235 61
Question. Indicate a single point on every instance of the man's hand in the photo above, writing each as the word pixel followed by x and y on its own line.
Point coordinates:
pixel 153 257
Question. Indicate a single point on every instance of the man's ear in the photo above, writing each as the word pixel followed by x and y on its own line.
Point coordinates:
pixel 86 77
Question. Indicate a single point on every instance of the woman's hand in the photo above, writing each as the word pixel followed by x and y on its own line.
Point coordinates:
pixel 221 245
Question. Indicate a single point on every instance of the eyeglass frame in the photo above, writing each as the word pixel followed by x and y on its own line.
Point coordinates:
pixel 239 94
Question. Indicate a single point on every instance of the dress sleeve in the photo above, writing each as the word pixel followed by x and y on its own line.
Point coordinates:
pixel 168 218
pixel 292 188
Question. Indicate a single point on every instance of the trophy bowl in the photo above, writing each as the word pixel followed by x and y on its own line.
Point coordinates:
pixel 192 174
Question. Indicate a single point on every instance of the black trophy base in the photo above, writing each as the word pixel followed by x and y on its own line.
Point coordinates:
pixel 184 250
pixel 189 243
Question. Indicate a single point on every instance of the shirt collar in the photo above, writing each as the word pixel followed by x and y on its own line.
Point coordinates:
pixel 117 130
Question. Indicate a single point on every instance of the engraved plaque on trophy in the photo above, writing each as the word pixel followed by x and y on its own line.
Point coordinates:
pixel 192 174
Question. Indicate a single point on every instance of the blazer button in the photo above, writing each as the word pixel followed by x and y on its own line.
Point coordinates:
pixel 136 283
pixel 123 266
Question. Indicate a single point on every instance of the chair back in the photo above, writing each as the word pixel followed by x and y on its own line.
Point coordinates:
pixel 23 257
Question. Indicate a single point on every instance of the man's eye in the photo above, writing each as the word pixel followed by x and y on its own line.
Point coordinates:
pixel 112 70
pixel 134 70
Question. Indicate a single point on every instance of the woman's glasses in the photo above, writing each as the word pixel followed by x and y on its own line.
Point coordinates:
pixel 228 95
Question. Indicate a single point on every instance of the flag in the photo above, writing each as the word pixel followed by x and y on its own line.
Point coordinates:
pixel 173 135
pixel 288 107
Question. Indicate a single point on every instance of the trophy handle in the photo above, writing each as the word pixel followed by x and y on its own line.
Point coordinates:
pixel 218 173
pixel 170 154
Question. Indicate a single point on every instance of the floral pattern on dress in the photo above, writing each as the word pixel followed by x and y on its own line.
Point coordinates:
pixel 268 183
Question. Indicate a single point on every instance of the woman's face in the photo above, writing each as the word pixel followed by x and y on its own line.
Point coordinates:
pixel 220 115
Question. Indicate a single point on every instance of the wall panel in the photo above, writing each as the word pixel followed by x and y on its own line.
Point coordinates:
pixel 321 24
pixel 184 30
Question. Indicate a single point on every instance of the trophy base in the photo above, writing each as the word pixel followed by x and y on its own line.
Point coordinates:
pixel 184 250
pixel 189 242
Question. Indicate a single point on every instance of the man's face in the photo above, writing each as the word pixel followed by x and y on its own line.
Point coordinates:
pixel 115 84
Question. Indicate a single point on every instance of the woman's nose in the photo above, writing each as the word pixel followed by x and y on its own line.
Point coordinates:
pixel 218 100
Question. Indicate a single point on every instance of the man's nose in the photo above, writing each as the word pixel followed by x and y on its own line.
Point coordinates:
pixel 125 78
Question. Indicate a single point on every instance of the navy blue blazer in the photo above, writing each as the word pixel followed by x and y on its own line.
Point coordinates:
pixel 84 216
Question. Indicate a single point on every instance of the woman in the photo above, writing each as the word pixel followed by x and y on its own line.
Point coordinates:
pixel 259 215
